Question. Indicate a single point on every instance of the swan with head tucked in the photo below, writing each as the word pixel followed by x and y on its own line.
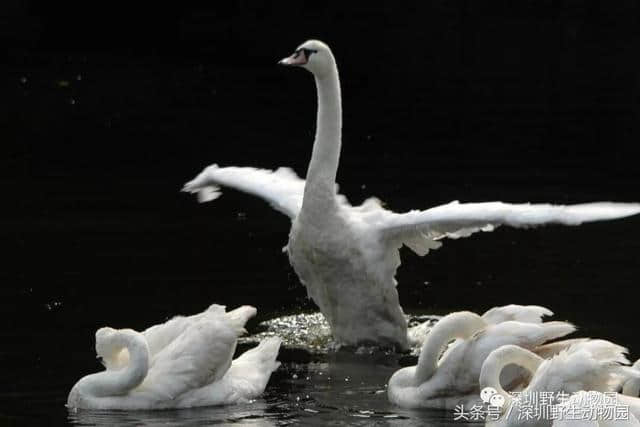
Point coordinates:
pixel 589 365
pixel 446 381
pixel 346 256
pixel 192 365
pixel 160 335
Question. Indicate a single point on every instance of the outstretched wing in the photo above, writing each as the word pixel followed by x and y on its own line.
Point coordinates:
pixel 200 355
pixel 281 188
pixel 455 220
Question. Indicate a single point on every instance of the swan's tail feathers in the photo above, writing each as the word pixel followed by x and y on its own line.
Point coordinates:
pixel 557 329
pixel 240 316
pixel 251 371
pixel 206 190
pixel 264 355
pixel 603 350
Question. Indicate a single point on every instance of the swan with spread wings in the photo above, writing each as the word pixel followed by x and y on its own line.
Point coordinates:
pixel 346 256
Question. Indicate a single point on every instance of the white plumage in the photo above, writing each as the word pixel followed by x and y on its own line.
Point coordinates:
pixel 184 362
pixel 632 385
pixel 593 409
pixel 347 256
pixel 587 365
pixel 452 379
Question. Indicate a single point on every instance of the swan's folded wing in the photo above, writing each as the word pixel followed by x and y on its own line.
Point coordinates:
pixel 455 220
pixel 199 356
pixel 588 365
pixel 161 335
pixel 281 188
pixel 520 313
pixel 526 335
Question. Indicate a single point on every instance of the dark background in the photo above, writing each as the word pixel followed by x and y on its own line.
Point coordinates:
pixel 109 107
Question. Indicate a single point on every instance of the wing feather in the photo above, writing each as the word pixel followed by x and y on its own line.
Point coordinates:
pixel 281 188
pixel 455 220
pixel 199 356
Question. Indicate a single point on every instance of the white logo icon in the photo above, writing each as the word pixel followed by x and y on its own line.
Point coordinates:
pixel 487 393
pixel 497 400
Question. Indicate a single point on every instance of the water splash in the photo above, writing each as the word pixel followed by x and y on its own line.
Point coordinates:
pixel 311 332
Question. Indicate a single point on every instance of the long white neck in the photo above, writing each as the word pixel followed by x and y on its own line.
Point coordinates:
pixel 631 387
pixel 323 167
pixel 456 325
pixel 503 356
pixel 119 382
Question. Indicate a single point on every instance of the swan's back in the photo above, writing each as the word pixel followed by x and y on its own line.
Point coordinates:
pixel 161 335
pixel 590 365
pixel 250 373
pixel 199 356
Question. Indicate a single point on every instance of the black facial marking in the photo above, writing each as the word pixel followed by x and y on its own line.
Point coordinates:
pixel 307 53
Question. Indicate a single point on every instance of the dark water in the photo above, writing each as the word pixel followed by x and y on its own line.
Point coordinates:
pixel 529 102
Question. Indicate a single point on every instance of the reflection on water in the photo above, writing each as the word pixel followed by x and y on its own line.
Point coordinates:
pixel 257 413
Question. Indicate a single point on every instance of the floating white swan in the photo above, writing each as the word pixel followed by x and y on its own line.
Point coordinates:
pixel 185 362
pixel 450 380
pixel 347 256
pixel 589 365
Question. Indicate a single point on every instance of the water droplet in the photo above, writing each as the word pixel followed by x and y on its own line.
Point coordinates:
pixel 78 77
pixel 72 101
pixel 23 80
pixel 294 376
pixel 53 305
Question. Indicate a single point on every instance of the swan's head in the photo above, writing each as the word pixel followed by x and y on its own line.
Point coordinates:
pixel 109 350
pixel 313 55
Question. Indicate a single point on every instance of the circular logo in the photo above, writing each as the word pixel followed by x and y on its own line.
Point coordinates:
pixel 487 393
pixel 497 400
